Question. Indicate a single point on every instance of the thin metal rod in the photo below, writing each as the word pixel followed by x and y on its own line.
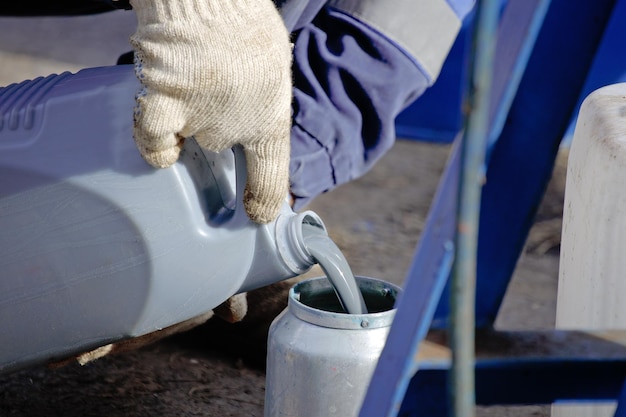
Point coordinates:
pixel 463 282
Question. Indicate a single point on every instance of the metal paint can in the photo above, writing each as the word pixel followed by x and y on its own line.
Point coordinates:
pixel 320 359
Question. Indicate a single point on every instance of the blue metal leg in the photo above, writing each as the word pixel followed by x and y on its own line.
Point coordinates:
pixel 519 28
pixel 415 309
pixel 429 272
pixel 521 161
pixel 519 167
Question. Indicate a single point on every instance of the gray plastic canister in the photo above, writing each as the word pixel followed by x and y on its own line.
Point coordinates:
pixel 320 360
pixel 96 246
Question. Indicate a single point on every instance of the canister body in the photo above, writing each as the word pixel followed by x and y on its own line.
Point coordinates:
pixel 320 360
pixel 96 245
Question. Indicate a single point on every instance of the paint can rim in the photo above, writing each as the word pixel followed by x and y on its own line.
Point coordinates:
pixel 370 287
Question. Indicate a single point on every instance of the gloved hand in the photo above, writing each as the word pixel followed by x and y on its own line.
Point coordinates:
pixel 218 70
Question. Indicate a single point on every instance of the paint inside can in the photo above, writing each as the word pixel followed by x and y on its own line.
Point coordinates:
pixel 315 302
pixel 375 299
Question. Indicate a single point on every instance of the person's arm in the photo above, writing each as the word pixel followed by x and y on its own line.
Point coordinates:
pixel 357 65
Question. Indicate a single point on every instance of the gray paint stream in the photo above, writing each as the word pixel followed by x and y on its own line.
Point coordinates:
pixel 336 268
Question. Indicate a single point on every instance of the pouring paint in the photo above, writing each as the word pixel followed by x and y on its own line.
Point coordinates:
pixel 335 266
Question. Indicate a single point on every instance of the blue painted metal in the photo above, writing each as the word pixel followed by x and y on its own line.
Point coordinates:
pixel 519 20
pixel 473 146
pixel 520 382
pixel 609 65
pixel 522 159
pixel 425 278
pixel 524 367
pixel 539 114
pixel 431 266
pixel 519 28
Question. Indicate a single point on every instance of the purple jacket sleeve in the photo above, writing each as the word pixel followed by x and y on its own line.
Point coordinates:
pixel 350 84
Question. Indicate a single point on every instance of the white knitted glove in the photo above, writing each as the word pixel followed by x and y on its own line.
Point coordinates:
pixel 218 70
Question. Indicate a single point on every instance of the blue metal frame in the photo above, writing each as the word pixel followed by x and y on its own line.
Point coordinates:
pixel 519 166
pixel 520 382
pixel 524 367
pixel 522 158
pixel 432 264
pixel 609 64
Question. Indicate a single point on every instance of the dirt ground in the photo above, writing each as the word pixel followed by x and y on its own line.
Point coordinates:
pixel 217 369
